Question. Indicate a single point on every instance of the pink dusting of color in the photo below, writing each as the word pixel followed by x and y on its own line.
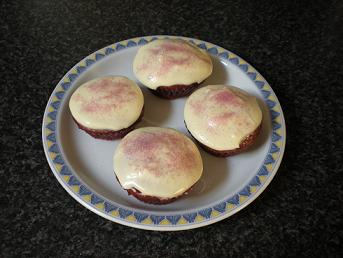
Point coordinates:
pixel 78 97
pixel 220 119
pixel 168 61
pixel 197 106
pixel 143 67
pixel 171 47
pixel 114 93
pixel 172 61
pixel 166 50
pixel 107 95
pixel 226 97
pixel 159 152
pixel 180 48
pixel 100 85
pixel 93 107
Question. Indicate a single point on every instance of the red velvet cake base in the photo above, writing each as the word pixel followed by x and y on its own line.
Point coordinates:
pixel 153 199
pixel 175 91
pixel 150 199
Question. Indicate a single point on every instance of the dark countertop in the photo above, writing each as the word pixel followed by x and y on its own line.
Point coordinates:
pixel 296 45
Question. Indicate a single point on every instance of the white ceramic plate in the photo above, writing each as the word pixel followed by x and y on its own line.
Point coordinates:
pixel 83 165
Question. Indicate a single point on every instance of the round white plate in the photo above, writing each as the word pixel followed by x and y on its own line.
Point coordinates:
pixel 83 165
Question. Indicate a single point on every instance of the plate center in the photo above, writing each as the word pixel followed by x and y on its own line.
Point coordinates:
pixel 91 159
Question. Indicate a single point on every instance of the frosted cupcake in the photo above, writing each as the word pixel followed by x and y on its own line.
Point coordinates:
pixel 171 68
pixel 157 165
pixel 225 120
pixel 108 107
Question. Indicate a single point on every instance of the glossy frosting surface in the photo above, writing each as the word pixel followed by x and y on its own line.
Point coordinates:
pixel 107 103
pixel 221 116
pixel 167 62
pixel 157 161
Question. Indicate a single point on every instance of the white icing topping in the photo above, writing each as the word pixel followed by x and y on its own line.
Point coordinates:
pixel 220 116
pixel 167 62
pixel 159 162
pixel 107 103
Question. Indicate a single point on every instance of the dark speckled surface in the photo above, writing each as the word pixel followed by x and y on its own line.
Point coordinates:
pixel 296 45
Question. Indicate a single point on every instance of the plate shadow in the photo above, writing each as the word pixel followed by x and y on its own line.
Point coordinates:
pixel 219 74
pixel 156 110
pixel 215 174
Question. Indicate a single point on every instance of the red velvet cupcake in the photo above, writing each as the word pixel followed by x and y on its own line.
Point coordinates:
pixel 172 68
pixel 225 120
pixel 108 107
pixel 157 165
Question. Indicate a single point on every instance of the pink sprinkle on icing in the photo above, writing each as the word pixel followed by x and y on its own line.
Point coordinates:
pixel 100 85
pixel 159 152
pixel 78 97
pixel 220 119
pixel 197 106
pixel 219 107
pixel 106 96
pixel 167 51
pixel 93 107
pixel 171 47
pixel 226 97
pixel 172 61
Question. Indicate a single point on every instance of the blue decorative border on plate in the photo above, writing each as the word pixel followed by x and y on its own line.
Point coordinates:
pixel 130 216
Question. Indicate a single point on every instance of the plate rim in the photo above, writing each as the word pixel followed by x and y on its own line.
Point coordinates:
pixel 89 198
